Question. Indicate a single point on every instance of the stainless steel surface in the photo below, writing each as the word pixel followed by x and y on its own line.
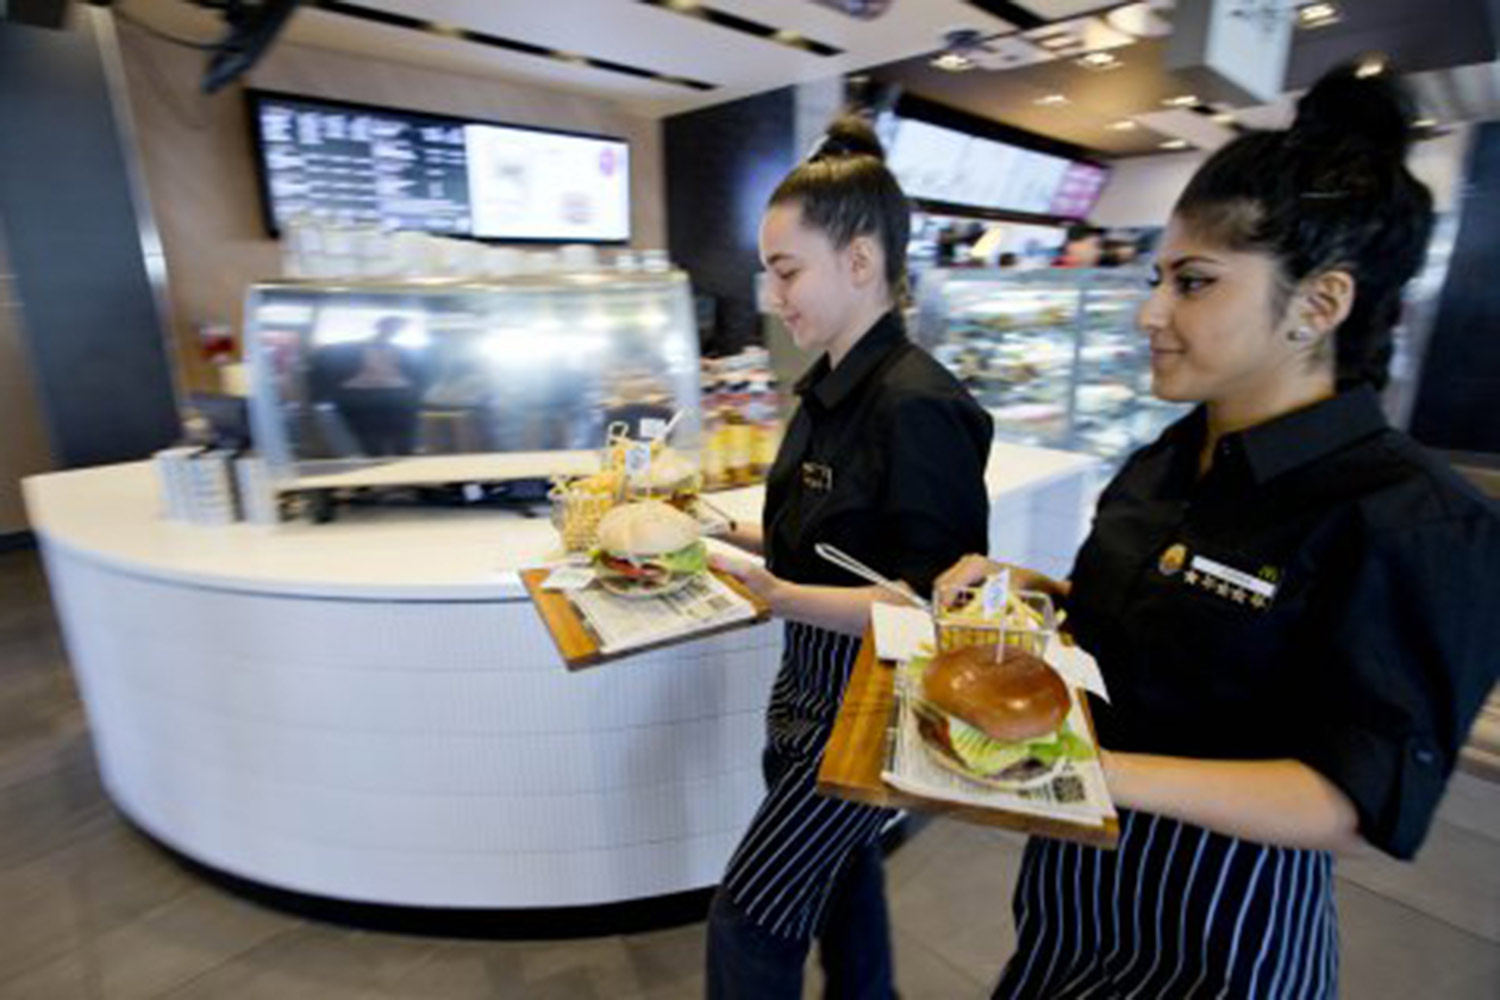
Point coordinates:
pixel 361 379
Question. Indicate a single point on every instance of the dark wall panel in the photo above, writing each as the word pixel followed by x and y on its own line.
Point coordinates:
pixel 1458 405
pixel 92 326
pixel 722 163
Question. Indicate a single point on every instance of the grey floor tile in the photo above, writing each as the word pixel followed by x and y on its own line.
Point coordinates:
pixel 958 902
pixel 1455 878
pixel 118 876
pixel 44 814
pixel 669 959
pixel 923 974
pixel 1392 952
pixel 63 978
pixel 179 941
pixel 40 924
pixel 514 970
pixel 312 961
pixel 1473 804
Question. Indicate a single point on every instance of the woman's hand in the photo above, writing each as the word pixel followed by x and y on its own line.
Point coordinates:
pixel 757 579
pixel 972 569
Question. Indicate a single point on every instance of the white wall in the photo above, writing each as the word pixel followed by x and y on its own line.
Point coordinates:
pixel 1142 190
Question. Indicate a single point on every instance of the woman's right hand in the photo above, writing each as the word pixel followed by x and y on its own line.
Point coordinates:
pixel 972 569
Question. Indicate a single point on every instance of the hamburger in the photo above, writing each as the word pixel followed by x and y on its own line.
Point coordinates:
pixel 1001 722
pixel 646 549
pixel 670 477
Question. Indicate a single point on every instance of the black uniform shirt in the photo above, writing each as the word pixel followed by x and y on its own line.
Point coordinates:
pixel 1328 592
pixel 885 460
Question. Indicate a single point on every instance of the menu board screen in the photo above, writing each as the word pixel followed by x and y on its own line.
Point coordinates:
pixel 408 170
pixel 934 163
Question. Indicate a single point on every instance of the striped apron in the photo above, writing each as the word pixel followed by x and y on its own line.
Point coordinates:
pixel 1176 911
pixel 784 870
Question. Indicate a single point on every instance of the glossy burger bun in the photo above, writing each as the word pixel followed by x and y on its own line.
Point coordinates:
pixel 1018 698
pixel 648 528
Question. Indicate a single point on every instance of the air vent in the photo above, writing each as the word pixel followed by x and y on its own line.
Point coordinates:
pixel 508 44
pixel 745 26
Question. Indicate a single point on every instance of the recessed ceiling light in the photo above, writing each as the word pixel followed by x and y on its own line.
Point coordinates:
pixel 446 30
pixel 1182 101
pixel 787 37
pixel 1223 118
pixel 1369 66
pixel 1123 125
pixel 953 62
pixel 1062 41
pixel 1318 15
pixel 1098 60
pixel 1175 144
pixel 1426 121
pixel 1052 100
pixel 683 5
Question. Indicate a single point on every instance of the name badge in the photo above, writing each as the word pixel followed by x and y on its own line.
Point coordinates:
pixel 817 477
pixel 1230 583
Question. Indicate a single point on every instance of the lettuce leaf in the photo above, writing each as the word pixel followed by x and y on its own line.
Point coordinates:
pixel 689 559
pixel 988 756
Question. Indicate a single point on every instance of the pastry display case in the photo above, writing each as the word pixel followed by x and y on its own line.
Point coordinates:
pixel 1054 355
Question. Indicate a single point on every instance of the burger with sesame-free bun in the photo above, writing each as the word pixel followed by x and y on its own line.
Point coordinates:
pixel 1001 721
pixel 648 549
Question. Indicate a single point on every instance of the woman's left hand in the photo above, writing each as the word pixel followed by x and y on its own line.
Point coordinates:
pixel 757 579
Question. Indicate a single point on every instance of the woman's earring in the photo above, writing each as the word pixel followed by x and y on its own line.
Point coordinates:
pixel 1300 335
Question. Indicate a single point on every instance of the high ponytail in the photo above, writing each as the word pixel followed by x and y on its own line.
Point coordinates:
pixel 845 190
pixel 1331 192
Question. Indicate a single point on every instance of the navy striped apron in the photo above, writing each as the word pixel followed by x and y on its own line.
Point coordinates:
pixel 1176 911
pixel 785 868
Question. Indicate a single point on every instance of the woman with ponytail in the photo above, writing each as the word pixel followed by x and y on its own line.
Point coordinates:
pixel 885 460
pixel 1295 607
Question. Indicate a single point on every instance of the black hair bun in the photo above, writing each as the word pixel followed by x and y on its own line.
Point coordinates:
pixel 1344 108
pixel 849 135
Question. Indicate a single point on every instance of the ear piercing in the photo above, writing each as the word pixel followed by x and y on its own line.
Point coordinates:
pixel 1300 335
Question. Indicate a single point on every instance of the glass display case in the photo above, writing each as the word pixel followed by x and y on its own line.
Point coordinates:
pixel 1054 355
pixel 377 383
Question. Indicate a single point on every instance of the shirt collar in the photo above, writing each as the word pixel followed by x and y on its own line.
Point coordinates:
pixel 831 386
pixel 1288 442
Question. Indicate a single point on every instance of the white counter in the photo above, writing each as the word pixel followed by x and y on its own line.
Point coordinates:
pixel 371 710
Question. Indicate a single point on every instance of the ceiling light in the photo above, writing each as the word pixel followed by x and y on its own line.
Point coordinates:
pixel 953 62
pixel 1052 100
pixel 1223 118
pixel 1098 60
pixel 1175 144
pixel 787 37
pixel 1426 121
pixel 1123 125
pixel 1318 15
pixel 1063 41
pixel 683 5
pixel 1370 66
pixel 446 30
pixel 1182 101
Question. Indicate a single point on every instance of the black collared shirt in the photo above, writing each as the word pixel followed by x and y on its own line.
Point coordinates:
pixel 883 459
pixel 1329 591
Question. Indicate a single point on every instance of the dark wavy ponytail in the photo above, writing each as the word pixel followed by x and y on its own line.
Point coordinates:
pixel 1331 192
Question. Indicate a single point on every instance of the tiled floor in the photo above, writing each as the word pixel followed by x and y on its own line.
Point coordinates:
pixel 90 909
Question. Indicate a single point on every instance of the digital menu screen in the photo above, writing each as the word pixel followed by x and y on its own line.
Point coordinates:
pixel 408 170
pixel 934 163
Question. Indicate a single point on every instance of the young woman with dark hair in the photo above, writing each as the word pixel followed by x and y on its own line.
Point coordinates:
pixel 884 459
pixel 1295 606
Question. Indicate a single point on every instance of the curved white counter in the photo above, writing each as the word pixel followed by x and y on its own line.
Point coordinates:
pixel 371 710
